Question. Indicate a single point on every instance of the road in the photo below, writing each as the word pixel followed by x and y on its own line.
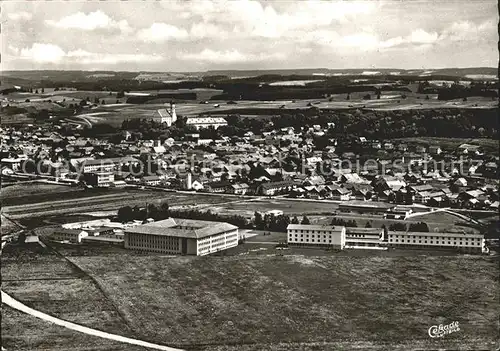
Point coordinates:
pixel 11 302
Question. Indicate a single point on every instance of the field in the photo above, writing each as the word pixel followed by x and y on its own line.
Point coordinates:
pixel 270 302
pixel 69 200
pixel 45 281
pixel 114 114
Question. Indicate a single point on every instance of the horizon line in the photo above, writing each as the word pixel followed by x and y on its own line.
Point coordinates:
pixel 250 69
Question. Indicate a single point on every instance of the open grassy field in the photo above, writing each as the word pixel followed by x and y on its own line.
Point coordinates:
pixel 251 302
pixel 294 299
pixel 289 207
pixel 34 192
pixel 17 205
pixel 389 101
pixel 45 281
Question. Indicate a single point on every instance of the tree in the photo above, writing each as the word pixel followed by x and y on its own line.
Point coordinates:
pixel 36 91
pixel 258 221
pixel 305 220
pixel 368 224
pixel 96 100
pixel 348 97
pixel 295 220
pixel 120 94
pixel 43 90
pixel 125 214
pixel 419 227
pixel 103 102
pixel 367 97
pixel 398 227
pixel 152 211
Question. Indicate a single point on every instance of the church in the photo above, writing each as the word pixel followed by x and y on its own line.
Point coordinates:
pixel 167 116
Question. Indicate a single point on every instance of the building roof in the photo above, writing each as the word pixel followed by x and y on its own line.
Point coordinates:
pixel 356 230
pixel 314 227
pixel 183 228
pixel 438 234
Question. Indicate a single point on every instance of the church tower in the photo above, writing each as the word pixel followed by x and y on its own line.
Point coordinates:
pixel 172 112
pixel 168 116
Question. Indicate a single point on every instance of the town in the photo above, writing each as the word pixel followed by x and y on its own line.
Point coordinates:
pixel 249 175
pixel 312 162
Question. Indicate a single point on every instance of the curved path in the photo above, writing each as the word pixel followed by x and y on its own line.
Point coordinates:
pixel 9 301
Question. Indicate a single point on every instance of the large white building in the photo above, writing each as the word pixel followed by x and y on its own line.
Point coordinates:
pixel 182 236
pixel 205 122
pixel 316 235
pixel 473 243
pixel 363 238
pixel 168 116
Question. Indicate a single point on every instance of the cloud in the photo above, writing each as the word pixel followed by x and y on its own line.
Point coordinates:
pixel 43 53
pixel 469 31
pixel 420 36
pixel 50 53
pixel 22 15
pixel 207 30
pixel 228 56
pixel 92 21
pixel 159 32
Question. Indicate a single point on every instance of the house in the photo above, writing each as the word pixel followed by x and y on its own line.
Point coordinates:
pixel 403 147
pixel 435 150
pixel 461 182
pixel 341 194
pixel 151 180
pixel 273 188
pixel 351 178
pixel 100 179
pixel 420 149
pixel 423 197
pixel 12 163
pixel 388 146
pixel 71 235
pixel 239 189
pixel 218 187
pixel 469 149
pixel 197 185
pixel 362 193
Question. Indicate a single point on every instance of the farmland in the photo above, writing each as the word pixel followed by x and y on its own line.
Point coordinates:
pixel 83 200
pixel 46 281
pixel 290 302
pixel 116 114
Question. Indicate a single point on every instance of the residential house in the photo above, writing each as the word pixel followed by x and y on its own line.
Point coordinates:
pixel 341 194
pixel 239 188
pixel 402 147
pixel 435 150
pixel 151 180
pixel 218 187
pixel 272 188
pixel 388 146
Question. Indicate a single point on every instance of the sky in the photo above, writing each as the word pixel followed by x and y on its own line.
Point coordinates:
pixel 205 35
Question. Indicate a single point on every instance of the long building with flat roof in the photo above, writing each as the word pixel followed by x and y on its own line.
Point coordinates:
pixel 182 236
pixel 316 235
